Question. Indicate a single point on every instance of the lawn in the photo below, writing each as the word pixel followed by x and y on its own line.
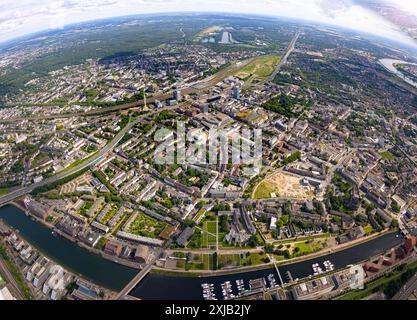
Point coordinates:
pixel 196 240
pixel 110 214
pixel 210 232
pixel 199 262
pixel 86 206
pixel 264 190
pixel 254 259
pixel 199 214
pixel 207 261
pixel 229 260
pixel 387 155
pixel 77 163
pixel 368 229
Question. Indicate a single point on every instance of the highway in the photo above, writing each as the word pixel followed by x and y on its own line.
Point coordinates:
pixel 109 147
pixel 284 59
pixel 188 89
pixel 192 88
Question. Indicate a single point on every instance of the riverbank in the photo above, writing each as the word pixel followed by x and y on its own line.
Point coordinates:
pixel 130 264
pixel 203 273
pixel 29 291
pixel 390 66
pixel 69 254
pixel 270 265
pixel 164 285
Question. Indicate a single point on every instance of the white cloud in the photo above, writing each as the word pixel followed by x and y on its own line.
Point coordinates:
pixel 25 16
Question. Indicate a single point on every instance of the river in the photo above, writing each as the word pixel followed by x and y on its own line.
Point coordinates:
pixel 389 65
pixel 80 261
pixel 158 286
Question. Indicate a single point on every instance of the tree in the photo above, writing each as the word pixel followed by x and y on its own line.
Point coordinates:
pixel 394 223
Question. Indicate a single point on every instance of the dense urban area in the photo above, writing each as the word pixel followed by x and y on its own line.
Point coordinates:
pixel 81 125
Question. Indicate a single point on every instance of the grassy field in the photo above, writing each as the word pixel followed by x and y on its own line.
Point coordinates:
pixel 305 247
pixel 368 230
pixel 387 155
pixel 210 234
pixel 228 260
pixel 254 259
pixel 264 190
pixel 259 70
pixel 200 262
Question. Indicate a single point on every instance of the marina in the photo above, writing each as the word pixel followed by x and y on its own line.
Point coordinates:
pixel 243 283
pixel 208 291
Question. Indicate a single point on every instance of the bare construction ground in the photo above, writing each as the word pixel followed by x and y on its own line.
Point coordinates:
pixel 282 185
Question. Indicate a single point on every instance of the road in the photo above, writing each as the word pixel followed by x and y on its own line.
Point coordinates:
pixel 192 88
pixel 187 89
pixel 138 278
pixel 109 147
pixel 134 282
pixel 284 59
pixel 222 251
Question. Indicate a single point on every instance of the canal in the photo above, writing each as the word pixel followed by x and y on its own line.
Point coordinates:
pixel 158 286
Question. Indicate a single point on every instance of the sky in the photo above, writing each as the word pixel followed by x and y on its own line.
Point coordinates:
pixel 18 18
